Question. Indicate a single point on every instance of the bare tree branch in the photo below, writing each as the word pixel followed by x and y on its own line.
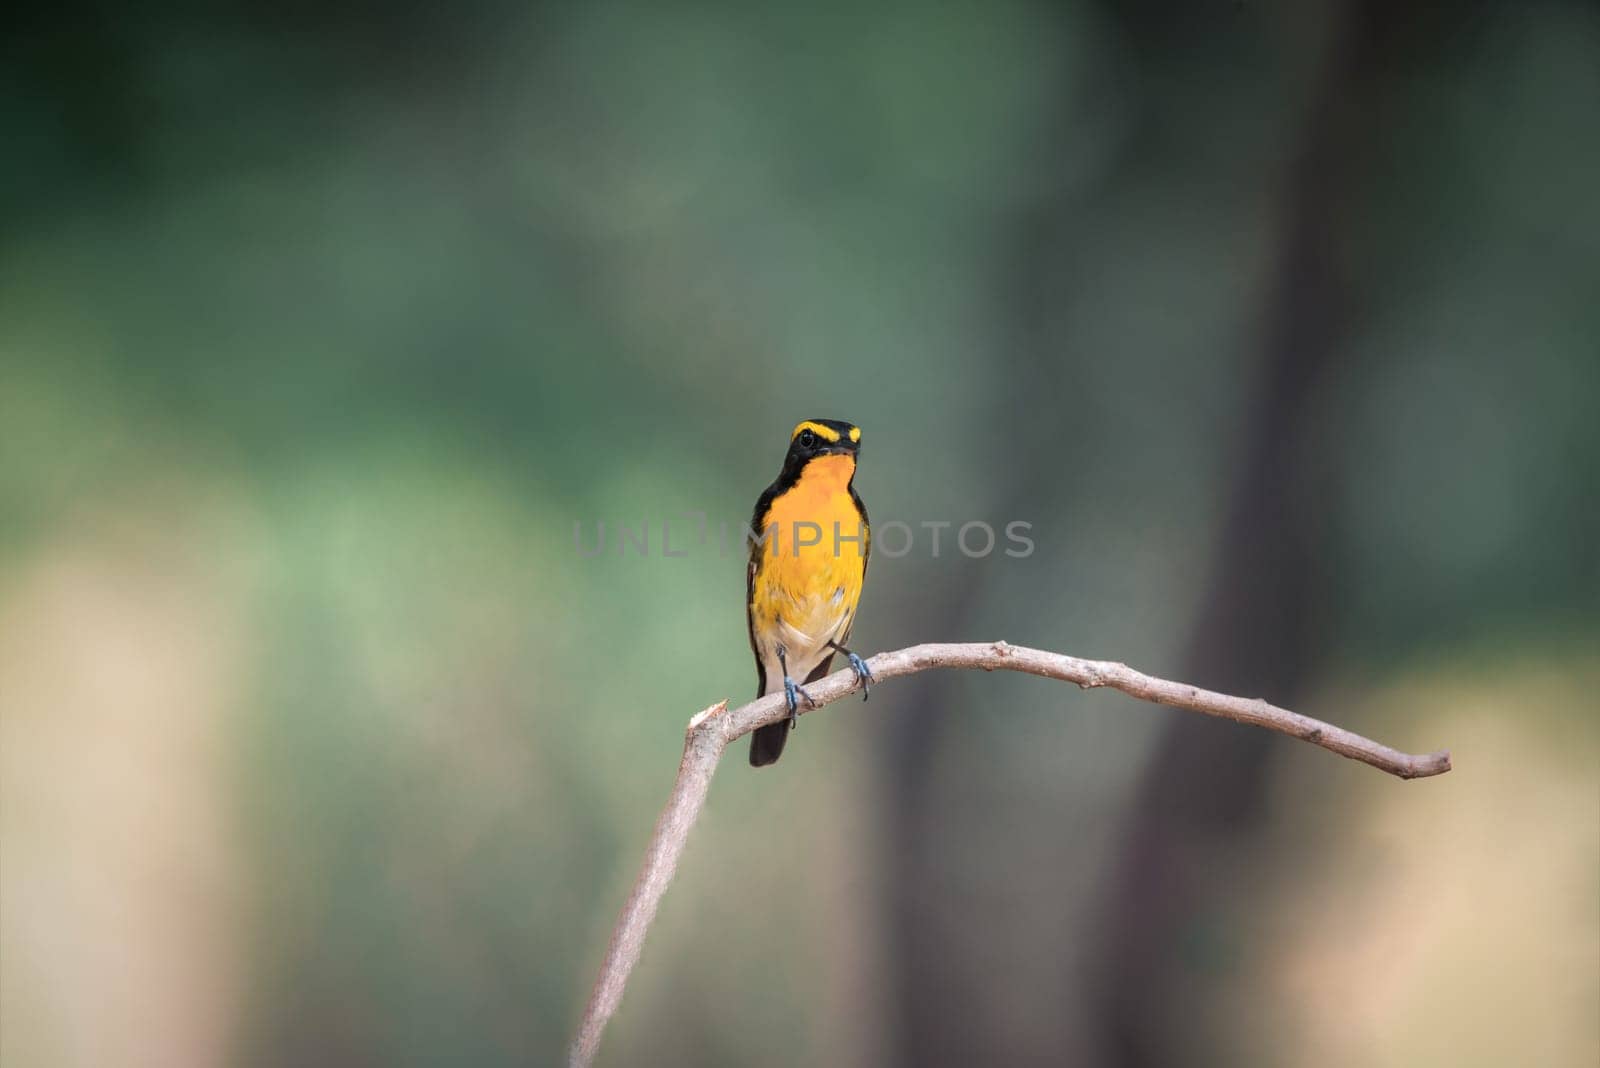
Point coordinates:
pixel 711 731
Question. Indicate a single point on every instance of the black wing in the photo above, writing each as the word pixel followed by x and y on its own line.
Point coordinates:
pixel 763 505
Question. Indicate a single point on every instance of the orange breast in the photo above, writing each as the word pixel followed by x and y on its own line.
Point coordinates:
pixel 807 594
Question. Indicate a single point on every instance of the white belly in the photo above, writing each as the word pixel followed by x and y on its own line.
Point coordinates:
pixel 804 632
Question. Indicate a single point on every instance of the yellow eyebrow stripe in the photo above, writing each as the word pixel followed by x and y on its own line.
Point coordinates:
pixel 855 433
pixel 823 432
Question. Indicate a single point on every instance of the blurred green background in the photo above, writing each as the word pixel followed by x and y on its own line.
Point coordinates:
pixel 321 325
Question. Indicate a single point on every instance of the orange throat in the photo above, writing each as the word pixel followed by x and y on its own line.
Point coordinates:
pixel 821 495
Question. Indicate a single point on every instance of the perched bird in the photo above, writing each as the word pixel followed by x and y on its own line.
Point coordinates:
pixel 807 562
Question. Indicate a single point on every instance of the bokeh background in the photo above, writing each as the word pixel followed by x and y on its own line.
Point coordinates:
pixel 321 325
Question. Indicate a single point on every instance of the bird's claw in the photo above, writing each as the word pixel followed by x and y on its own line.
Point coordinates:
pixel 863 673
pixel 793 692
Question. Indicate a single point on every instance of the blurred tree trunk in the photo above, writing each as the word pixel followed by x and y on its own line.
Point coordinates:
pixel 1255 634
pixel 1257 630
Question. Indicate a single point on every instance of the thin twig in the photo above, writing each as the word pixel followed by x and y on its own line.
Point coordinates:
pixel 711 731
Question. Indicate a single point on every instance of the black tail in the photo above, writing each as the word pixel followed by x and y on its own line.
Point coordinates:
pixel 766 744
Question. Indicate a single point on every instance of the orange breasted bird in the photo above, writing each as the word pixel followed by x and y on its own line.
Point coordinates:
pixel 808 560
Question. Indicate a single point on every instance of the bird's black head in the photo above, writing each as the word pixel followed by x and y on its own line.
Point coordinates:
pixel 819 437
pixel 823 437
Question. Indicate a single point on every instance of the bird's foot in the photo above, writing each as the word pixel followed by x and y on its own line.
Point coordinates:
pixel 793 692
pixel 863 674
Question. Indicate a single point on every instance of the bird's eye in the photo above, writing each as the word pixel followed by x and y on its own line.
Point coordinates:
pixel 808 439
